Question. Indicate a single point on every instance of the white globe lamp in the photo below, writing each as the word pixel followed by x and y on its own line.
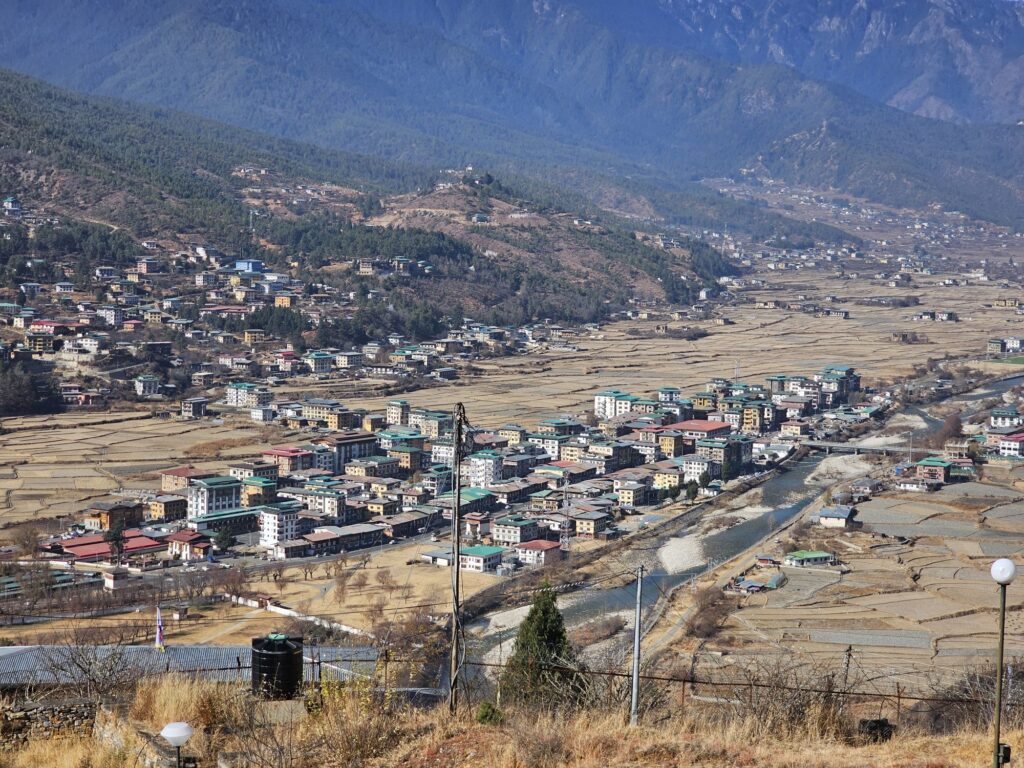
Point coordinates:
pixel 177 734
pixel 1003 571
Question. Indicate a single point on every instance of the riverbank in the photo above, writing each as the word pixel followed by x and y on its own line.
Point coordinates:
pixel 913 606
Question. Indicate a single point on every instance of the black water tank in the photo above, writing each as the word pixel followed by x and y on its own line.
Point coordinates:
pixel 276 666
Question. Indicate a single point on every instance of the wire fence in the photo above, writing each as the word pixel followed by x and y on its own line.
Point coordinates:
pixel 899 696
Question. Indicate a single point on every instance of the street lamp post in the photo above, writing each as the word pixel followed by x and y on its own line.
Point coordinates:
pixel 176 734
pixel 1003 571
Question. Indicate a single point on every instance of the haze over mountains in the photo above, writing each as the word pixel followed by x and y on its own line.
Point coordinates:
pixel 620 100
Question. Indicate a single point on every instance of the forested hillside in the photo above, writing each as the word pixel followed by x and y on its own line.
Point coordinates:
pixel 120 174
pixel 583 93
pixel 147 169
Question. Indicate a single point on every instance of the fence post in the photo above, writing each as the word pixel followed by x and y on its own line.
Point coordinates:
pixel 899 703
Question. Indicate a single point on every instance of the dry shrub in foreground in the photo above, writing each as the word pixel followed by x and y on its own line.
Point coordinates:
pixel 711 607
pixel 72 753
pixel 337 725
pixel 172 697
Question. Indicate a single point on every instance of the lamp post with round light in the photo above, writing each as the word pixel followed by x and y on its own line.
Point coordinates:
pixel 176 734
pixel 1003 572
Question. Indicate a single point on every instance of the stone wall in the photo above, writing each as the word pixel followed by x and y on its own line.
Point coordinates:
pixel 45 720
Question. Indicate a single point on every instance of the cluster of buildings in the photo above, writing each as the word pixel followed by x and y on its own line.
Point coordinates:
pixel 1008 345
pixel 364 478
pixel 204 301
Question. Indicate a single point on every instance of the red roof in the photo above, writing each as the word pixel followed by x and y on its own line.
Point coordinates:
pixel 188 471
pixel 286 450
pixel 187 537
pixel 539 544
pixel 95 538
pixel 93 551
pixel 699 425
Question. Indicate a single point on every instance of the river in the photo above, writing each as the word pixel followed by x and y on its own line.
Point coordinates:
pixel 784 496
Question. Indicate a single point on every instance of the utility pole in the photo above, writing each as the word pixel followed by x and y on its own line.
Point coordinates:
pixel 564 534
pixel 455 663
pixel 634 703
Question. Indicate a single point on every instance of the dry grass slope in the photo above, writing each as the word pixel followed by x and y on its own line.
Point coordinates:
pixel 357 726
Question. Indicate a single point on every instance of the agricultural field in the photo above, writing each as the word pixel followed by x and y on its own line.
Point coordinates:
pixel 760 343
pixel 916 606
pixel 55 465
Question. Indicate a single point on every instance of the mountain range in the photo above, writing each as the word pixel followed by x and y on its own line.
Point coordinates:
pixel 631 102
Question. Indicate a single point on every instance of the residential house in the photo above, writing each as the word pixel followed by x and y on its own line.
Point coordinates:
pixel 188 545
pixel 514 529
pixel 838 516
pixel 480 559
pixel 179 478
pixel 168 507
pixel 808 558
pixel 539 552
pixel 194 407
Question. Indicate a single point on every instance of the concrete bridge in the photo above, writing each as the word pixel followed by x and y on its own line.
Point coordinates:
pixel 854 448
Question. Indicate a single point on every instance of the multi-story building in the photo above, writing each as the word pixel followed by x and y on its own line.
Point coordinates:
pixel 289 458
pixel 349 445
pixel 194 407
pixel 319 362
pixel 213 494
pixel 442 451
pixel 552 444
pixel 278 524
pixel 480 559
pixel 514 529
pixel 168 507
pixel 612 403
pixel 179 478
pixel 514 433
pixel 484 468
pixel 318 408
pixel 257 491
pixel 397 413
pixel 1003 417
pixel 322 500
pixel 243 394
pixel 539 552
pixel 104 515
pixel 433 424
pixel 245 469
pixel 147 385
pixel 373 466
pixel 694 466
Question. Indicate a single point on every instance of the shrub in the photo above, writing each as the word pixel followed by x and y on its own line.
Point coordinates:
pixel 488 714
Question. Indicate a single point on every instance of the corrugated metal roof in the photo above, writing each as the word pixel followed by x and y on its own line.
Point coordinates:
pixel 61 665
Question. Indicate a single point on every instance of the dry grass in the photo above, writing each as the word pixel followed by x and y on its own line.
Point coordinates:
pixel 596 630
pixel 213 449
pixel 170 698
pixel 354 726
pixel 72 753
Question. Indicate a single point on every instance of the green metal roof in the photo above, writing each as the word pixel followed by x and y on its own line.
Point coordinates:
pixel 481 551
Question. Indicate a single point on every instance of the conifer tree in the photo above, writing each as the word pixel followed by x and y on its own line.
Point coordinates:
pixel 543 670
